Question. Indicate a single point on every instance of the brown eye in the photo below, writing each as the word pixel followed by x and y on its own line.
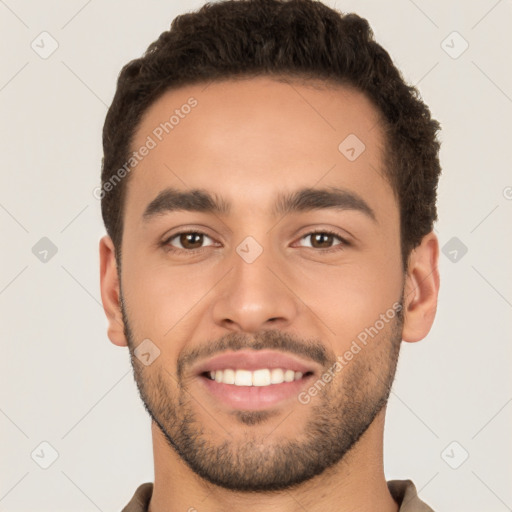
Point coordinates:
pixel 323 240
pixel 189 240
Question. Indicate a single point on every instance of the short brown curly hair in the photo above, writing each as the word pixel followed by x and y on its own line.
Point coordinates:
pixel 299 38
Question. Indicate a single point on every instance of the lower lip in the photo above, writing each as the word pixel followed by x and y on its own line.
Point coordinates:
pixel 254 398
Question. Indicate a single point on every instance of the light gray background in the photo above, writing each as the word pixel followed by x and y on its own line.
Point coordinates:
pixel 64 383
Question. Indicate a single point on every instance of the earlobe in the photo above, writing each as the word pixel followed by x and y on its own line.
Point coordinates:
pixel 421 289
pixel 110 292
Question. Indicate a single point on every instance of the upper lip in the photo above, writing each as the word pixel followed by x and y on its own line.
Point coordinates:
pixel 254 360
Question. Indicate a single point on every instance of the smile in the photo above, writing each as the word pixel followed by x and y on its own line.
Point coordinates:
pixel 261 377
pixel 254 379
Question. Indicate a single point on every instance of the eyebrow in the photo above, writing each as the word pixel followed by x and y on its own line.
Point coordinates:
pixel 302 200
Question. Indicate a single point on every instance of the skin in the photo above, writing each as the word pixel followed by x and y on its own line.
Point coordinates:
pixel 183 302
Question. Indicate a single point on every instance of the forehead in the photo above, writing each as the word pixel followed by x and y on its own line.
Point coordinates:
pixel 246 140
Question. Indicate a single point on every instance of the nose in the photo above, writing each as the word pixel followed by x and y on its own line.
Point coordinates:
pixel 255 295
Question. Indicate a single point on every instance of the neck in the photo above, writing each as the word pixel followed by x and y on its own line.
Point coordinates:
pixel 357 482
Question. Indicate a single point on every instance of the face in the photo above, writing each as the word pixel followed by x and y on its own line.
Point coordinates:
pixel 261 258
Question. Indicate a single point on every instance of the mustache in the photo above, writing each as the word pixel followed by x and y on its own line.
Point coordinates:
pixel 270 339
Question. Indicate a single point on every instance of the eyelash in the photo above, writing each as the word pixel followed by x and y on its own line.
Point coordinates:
pixel 338 247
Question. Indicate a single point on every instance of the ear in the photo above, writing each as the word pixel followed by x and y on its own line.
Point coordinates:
pixel 421 289
pixel 110 294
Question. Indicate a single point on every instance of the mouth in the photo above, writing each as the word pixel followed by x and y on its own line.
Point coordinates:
pixel 254 380
pixel 259 378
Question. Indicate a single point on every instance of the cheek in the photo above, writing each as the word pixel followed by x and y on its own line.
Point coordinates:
pixel 161 297
pixel 351 297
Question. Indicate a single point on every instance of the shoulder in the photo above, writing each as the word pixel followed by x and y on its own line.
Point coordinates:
pixel 405 494
pixel 141 498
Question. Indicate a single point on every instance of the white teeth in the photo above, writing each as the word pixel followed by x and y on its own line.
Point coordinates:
pixel 276 376
pixel 242 377
pixel 228 376
pixel 262 377
pixel 289 375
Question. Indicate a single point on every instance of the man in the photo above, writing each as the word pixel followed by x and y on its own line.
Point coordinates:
pixel 268 189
